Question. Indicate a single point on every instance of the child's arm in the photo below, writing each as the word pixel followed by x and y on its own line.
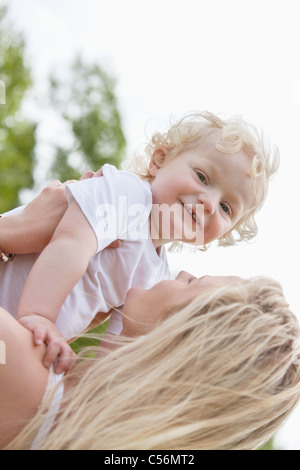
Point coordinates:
pixel 59 267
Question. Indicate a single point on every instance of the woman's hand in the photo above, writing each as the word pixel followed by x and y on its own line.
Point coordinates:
pixel 42 215
pixel 31 230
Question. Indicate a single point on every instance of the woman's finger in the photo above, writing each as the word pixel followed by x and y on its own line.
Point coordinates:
pixel 87 175
pixel 98 173
pixel 69 182
pixel 115 244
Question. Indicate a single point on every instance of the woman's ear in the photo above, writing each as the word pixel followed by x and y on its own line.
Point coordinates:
pixel 157 159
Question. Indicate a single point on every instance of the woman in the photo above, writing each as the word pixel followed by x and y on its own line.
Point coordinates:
pixel 209 363
pixel 217 368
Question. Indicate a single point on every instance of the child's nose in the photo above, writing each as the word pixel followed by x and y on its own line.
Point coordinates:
pixel 210 200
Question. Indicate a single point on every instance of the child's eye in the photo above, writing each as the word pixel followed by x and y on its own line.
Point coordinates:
pixel 225 208
pixel 202 177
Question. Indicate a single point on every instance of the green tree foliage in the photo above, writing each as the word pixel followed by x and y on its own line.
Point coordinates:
pixel 17 134
pixel 86 102
pixel 268 445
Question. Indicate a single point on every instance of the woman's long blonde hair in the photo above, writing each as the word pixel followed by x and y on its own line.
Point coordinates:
pixel 222 372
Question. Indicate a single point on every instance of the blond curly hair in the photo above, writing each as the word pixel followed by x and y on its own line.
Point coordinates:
pixel 235 134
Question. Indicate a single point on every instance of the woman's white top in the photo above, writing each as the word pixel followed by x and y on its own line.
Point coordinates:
pixel 55 382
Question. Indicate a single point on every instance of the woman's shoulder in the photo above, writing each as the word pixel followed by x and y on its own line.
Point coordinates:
pixel 23 377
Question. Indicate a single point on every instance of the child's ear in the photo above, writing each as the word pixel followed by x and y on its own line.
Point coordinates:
pixel 157 159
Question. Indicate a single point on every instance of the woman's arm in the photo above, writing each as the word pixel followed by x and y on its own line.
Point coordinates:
pixel 31 230
pixel 23 378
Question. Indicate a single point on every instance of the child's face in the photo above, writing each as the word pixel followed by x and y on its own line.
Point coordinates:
pixel 218 187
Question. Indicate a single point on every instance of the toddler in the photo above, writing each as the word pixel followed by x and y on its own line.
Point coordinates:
pixel 204 180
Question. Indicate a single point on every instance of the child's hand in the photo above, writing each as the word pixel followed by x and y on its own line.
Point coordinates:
pixel 44 331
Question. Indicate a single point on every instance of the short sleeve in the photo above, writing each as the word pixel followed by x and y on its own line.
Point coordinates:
pixel 117 205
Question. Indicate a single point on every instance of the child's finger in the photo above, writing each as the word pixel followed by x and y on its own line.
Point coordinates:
pixel 52 354
pixel 66 360
pixel 39 335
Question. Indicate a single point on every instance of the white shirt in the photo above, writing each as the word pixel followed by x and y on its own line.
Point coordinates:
pixel 112 272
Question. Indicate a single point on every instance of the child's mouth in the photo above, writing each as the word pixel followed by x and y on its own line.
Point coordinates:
pixel 192 214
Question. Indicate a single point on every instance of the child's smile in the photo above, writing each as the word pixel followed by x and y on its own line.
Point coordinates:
pixel 209 191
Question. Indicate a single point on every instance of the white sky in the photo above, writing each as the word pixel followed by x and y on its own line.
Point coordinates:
pixel 174 56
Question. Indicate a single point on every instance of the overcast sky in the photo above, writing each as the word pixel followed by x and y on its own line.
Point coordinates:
pixel 170 57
